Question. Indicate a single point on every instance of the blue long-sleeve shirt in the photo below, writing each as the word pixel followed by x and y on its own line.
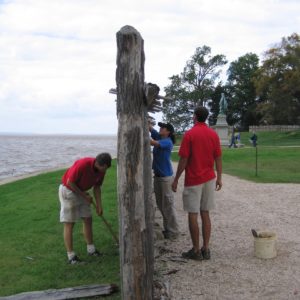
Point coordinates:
pixel 162 155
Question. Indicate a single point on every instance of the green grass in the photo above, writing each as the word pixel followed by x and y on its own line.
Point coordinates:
pixel 273 164
pixel 272 138
pixel 277 162
pixel 290 138
pixel 33 256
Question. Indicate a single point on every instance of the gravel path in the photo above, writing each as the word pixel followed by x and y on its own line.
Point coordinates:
pixel 233 271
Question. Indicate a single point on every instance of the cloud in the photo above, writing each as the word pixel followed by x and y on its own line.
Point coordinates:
pixel 58 57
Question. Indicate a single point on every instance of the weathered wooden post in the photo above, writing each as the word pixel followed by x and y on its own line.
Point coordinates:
pixel 134 169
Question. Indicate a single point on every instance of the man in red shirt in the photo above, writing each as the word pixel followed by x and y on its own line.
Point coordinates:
pixel 75 201
pixel 200 150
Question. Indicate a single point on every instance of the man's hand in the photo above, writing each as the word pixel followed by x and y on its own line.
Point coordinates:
pixel 150 126
pixel 88 198
pixel 218 184
pixel 98 208
pixel 99 211
pixel 174 185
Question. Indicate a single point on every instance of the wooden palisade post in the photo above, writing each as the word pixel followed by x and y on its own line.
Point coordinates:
pixel 134 169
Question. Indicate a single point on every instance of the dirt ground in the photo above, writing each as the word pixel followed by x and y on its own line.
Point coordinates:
pixel 233 271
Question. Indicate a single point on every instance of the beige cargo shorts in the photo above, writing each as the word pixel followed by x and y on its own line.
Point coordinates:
pixel 72 206
pixel 199 197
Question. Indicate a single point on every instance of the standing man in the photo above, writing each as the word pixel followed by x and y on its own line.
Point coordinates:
pixel 75 201
pixel 233 139
pixel 253 139
pixel 199 151
pixel 162 143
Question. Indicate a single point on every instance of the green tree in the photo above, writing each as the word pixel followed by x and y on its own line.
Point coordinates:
pixel 278 83
pixel 194 86
pixel 241 92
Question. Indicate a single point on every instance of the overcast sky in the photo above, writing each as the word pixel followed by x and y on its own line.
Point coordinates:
pixel 58 57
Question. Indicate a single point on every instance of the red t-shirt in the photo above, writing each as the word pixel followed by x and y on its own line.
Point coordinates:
pixel 201 145
pixel 82 173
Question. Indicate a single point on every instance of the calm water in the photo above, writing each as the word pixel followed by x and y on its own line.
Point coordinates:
pixel 25 154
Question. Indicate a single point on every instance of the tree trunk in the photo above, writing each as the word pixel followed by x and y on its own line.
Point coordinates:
pixel 134 169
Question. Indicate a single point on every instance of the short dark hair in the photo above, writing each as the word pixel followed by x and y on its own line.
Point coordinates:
pixel 104 159
pixel 201 113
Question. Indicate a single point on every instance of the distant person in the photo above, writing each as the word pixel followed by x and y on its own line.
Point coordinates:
pixel 163 171
pixel 233 139
pixel 75 201
pixel 238 139
pixel 200 150
pixel 253 139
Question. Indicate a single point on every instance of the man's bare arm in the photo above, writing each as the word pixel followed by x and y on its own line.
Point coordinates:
pixel 154 143
pixel 78 191
pixel 97 195
pixel 218 162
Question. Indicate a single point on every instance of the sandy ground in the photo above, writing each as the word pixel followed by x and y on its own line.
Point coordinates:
pixel 233 271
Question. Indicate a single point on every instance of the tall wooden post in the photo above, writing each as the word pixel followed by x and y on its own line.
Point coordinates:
pixel 134 169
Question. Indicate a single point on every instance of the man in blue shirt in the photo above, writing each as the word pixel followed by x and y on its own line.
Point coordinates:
pixel 162 143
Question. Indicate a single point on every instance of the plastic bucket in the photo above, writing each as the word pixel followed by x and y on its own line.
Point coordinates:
pixel 265 244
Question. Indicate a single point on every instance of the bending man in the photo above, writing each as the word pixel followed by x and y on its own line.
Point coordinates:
pixel 75 202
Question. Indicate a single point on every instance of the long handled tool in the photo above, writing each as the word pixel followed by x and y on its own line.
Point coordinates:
pixel 110 230
pixel 108 226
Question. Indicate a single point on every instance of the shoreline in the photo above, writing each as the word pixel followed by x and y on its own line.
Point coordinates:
pixel 35 173
pixel 31 174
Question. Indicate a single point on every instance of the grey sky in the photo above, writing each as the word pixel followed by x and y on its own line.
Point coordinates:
pixel 58 57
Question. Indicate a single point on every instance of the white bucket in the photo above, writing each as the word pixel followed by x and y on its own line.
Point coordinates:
pixel 265 244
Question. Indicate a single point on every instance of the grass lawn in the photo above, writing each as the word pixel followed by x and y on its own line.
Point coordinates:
pixel 33 256
pixel 289 138
pixel 273 138
pixel 277 161
pixel 273 164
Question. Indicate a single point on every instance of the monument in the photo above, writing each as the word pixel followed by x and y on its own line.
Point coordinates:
pixel 221 126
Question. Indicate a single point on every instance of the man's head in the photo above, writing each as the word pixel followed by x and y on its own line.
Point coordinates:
pixel 167 130
pixel 103 162
pixel 200 114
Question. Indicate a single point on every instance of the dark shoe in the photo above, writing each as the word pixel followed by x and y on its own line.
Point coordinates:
pixel 96 253
pixel 75 260
pixel 169 235
pixel 191 254
pixel 205 254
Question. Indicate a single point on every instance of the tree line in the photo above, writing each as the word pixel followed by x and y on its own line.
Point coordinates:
pixel 258 93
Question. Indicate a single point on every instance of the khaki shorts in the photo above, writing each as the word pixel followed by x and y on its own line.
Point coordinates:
pixel 72 206
pixel 199 197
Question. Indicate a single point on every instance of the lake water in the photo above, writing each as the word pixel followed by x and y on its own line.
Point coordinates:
pixel 25 154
